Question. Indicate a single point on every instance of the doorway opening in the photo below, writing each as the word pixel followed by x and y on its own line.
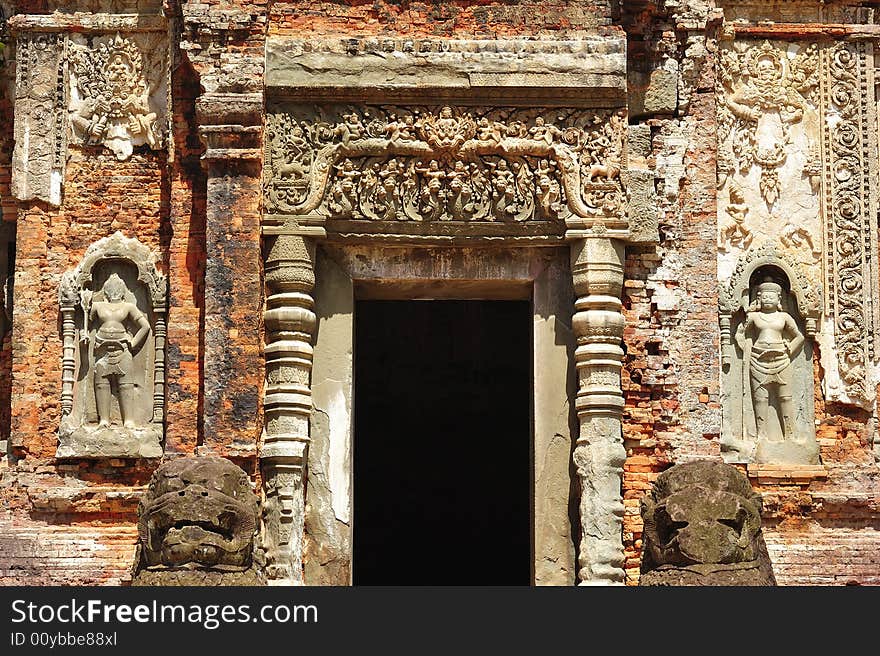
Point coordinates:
pixel 442 443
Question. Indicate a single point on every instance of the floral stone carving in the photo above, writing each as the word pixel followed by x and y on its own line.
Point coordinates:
pixel 117 93
pixel 113 308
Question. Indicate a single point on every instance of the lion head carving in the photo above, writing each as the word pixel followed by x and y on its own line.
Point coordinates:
pixel 199 514
pixel 702 526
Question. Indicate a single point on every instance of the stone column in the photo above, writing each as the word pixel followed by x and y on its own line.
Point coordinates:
pixel 597 269
pixel 290 324
pixel 230 125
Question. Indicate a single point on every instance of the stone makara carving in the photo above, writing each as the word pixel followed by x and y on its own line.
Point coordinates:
pixel 702 526
pixel 769 315
pixel 113 327
pixel 196 526
pixel 443 164
pixel 115 95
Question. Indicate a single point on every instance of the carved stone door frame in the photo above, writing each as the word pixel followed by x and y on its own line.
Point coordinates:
pixel 368 147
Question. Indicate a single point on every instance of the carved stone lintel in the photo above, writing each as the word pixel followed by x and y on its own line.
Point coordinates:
pixel 445 164
pixel 597 269
pixel 113 359
pixel 290 323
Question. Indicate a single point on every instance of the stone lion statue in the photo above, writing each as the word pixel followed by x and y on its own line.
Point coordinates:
pixel 703 527
pixel 196 525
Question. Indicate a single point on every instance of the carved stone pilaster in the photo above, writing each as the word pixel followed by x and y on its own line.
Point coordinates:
pixel 290 324
pixel 597 269
pixel 40 113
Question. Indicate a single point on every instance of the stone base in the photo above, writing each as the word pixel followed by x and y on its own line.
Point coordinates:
pixel 787 452
pixel 110 442
pixel 752 573
pixel 736 451
pixel 782 474
pixel 199 577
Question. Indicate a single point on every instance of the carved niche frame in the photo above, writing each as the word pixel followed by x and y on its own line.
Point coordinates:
pixel 734 300
pixel 345 117
pixel 130 253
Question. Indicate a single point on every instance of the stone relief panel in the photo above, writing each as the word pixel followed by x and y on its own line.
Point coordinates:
pixel 113 308
pixel 445 164
pixel 769 317
pixel 768 142
pixel 796 156
pixel 40 150
pixel 117 91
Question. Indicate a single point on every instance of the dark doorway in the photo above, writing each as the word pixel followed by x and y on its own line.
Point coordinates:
pixel 442 443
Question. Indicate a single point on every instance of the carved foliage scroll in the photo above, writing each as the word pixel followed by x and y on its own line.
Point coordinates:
pixel 850 205
pixel 113 317
pixel 40 108
pixel 427 164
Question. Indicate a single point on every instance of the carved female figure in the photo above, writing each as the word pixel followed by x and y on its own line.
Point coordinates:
pixel 776 340
pixel 112 349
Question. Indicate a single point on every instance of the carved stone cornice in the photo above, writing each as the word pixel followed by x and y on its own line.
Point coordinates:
pixel 230 126
pixel 455 69
pixel 87 22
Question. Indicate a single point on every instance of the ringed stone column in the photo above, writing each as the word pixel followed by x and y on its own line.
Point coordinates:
pixel 290 324
pixel 597 269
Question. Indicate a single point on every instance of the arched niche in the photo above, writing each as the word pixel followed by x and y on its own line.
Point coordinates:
pixel 767 361
pixel 113 320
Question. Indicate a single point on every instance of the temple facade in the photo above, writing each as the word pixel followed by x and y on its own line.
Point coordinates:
pixel 335 293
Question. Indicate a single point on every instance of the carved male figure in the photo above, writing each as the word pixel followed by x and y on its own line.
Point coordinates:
pixel 113 347
pixel 776 340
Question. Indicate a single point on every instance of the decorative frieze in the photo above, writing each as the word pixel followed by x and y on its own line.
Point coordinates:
pixel 850 171
pixel 445 164
pixel 84 79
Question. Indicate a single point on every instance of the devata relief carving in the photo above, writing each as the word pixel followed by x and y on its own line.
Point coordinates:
pixel 769 316
pixel 427 164
pixel 196 525
pixel 796 160
pixel 768 148
pixel 113 324
pixel 703 527
pixel 117 92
